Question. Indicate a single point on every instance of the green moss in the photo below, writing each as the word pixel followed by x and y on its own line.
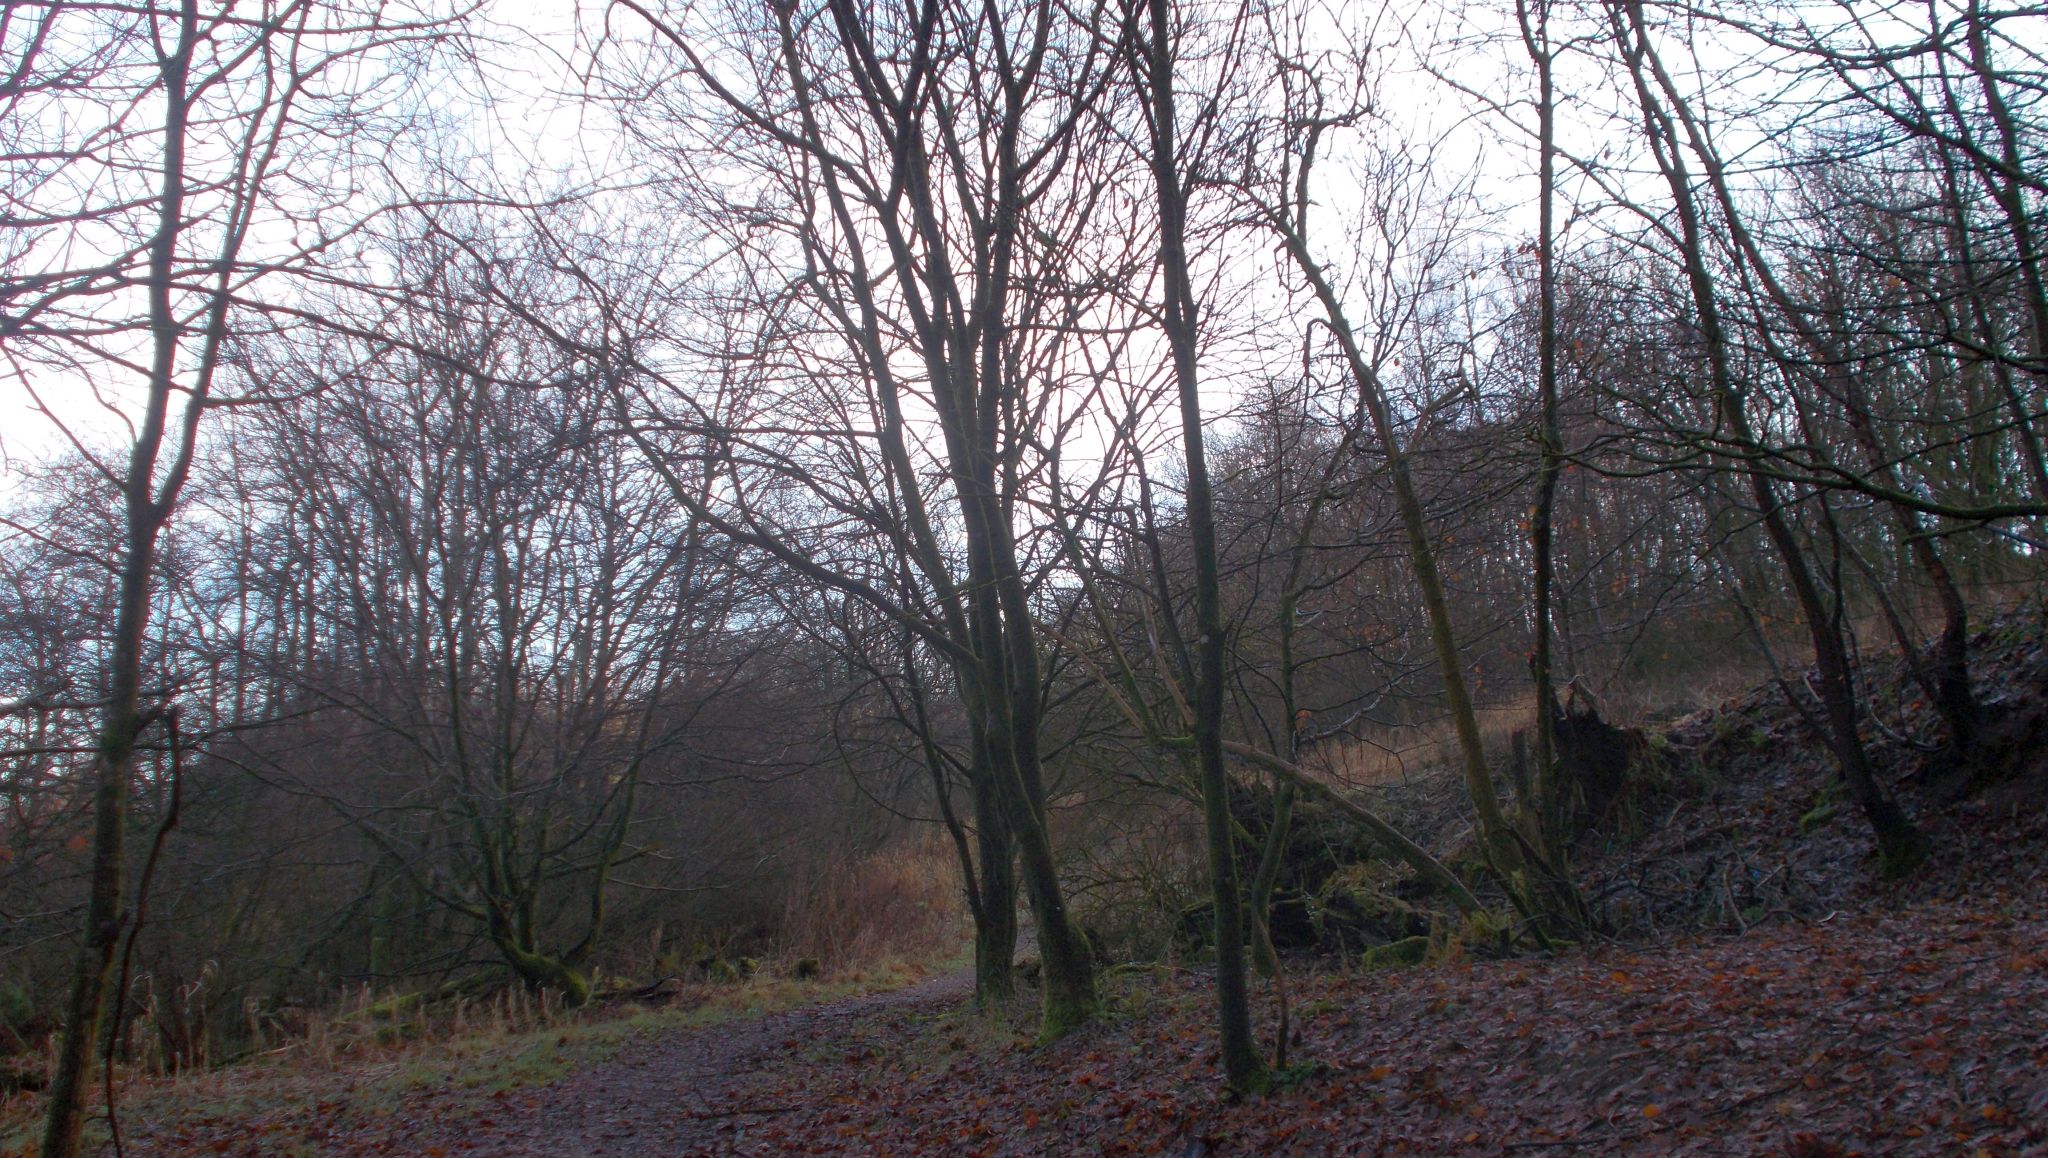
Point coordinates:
pixel 1821 811
pixel 1063 1017
pixel 1396 954
pixel 1290 1079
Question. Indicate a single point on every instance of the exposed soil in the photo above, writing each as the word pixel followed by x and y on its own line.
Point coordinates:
pixel 677 1092
pixel 684 1093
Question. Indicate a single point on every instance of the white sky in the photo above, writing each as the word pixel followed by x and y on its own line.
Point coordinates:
pixel 528 130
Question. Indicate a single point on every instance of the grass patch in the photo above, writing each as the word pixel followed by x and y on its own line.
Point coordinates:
pixel 314 1085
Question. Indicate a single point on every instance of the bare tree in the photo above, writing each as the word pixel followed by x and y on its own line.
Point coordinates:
pixel 1402 266
pixel 1155 57
pixel 1534 21
pixel 518 619
pixel 1899 841
pixel 144 148
pixel 915 191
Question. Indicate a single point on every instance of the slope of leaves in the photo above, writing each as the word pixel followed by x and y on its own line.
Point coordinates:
pixel 1924 1029
pixel 1750 823
pixel 1770 995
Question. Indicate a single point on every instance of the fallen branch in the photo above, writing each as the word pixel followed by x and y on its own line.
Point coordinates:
pixel 1396 842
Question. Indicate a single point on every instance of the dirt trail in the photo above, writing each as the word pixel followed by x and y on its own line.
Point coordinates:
pixel 678 1093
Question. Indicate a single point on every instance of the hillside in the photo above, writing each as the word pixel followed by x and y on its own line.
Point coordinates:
pixel 1761 993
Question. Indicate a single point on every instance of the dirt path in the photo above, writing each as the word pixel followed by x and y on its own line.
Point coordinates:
pixel 680 1093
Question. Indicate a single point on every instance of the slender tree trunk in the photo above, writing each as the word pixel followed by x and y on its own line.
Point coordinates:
pixel 1008 708
pixel 2007 189
pixel 1243 1068
pixel 106 916
pixel 1899 843
pixel 1547 809
pixel 986 855
pixel 1980 329
pixel 1266 878
pixel 1946 675
pixel 1068 967
pixel 1944 672
pixel 1503 848
pixel 121 721
pixel 1067 958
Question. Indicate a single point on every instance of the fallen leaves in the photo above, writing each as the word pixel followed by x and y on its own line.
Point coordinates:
pixel 1754 1044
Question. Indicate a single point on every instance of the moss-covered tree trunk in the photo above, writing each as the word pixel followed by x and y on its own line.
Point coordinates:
pixel 995 885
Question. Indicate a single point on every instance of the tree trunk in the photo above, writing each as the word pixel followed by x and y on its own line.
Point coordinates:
pixel 121 720
pixel 995 908
pixel 1545 809
pixel 1900 847
pixel 1243 1068
pixel 540 971
pixel 1550 894
pixel 1945 675
pixel 106 915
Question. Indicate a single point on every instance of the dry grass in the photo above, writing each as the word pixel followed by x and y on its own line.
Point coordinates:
pixel 903 902
pixel 1392 756
pixel 1407 754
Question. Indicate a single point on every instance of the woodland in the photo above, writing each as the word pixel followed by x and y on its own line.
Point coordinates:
pixel 1464 575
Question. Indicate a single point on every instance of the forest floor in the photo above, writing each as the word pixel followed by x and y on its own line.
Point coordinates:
pixel 1920 1029
pixel 1762 993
